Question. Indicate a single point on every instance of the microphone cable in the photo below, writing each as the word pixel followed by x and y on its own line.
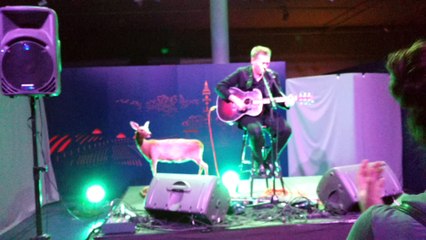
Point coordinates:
pixel 213 108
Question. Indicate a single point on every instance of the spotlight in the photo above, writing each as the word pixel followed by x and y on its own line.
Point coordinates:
pixel 95 194
pixel 230 180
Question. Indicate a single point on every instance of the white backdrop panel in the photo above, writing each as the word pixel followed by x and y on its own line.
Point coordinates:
pixel 352 117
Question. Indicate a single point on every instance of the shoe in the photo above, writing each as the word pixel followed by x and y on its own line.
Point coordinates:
pixel 262 171
pixel 277 171
pixel 271 166
pixel 269 163
pixel 273 169
pixel 259 171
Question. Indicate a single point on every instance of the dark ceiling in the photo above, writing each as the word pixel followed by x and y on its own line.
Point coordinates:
pixel 312 36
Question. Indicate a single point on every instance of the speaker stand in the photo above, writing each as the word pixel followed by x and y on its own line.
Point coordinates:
pixel 36 174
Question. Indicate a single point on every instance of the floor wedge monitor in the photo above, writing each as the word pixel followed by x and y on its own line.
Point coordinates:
pixel 337 189
pixel 182 197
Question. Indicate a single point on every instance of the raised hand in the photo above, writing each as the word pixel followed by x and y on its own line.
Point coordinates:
pixel 370 184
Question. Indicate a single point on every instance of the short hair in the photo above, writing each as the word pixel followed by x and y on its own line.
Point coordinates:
pixel 407 68
pixel 260 49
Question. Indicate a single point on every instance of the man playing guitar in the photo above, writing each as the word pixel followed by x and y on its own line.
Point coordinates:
pixel 255 78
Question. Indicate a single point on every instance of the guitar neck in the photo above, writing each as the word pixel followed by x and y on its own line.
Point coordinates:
pixel 268 101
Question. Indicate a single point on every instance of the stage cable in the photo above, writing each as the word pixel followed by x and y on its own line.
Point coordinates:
pixel 209 121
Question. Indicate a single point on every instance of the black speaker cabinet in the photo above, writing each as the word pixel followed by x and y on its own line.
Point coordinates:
pixel 337 188
pixel 29 51
pixel 182 197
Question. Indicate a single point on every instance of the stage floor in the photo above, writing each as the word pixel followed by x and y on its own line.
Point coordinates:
pixel 296 215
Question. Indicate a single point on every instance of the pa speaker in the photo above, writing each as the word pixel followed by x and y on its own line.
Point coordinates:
pixel 182 197
pixel 29 51
pixel 337 188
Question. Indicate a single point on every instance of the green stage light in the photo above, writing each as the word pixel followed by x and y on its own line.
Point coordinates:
pixel 230 180
pixel 165 50
pixel 95 193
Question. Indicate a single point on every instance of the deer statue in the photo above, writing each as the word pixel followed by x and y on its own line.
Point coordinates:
pixel 177 150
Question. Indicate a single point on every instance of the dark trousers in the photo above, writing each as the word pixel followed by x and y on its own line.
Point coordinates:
pixel 278 129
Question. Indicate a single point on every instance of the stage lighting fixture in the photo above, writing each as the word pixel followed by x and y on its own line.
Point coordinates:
pixel 231 179
pixel 165 50
pixel 95 194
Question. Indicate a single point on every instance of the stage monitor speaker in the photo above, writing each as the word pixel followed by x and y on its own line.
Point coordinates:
pixel 185 197
pixel 29 51
pixel 337 188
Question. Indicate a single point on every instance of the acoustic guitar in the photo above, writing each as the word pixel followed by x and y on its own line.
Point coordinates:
pixel 228 111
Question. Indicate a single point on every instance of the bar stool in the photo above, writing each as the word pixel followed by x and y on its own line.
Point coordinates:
pixel 247 165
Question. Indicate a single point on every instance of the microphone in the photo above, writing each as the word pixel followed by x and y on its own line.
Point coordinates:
pixel 269 72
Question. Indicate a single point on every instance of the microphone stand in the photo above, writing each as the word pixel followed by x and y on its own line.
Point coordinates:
pixel 274 197
pixel 268 89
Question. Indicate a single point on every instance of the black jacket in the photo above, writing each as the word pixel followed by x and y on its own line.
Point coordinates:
pixel 243 79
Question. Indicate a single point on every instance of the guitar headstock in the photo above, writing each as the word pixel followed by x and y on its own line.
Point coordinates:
pixel 305 98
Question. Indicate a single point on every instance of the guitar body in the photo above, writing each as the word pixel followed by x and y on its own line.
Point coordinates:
pixel 228 111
